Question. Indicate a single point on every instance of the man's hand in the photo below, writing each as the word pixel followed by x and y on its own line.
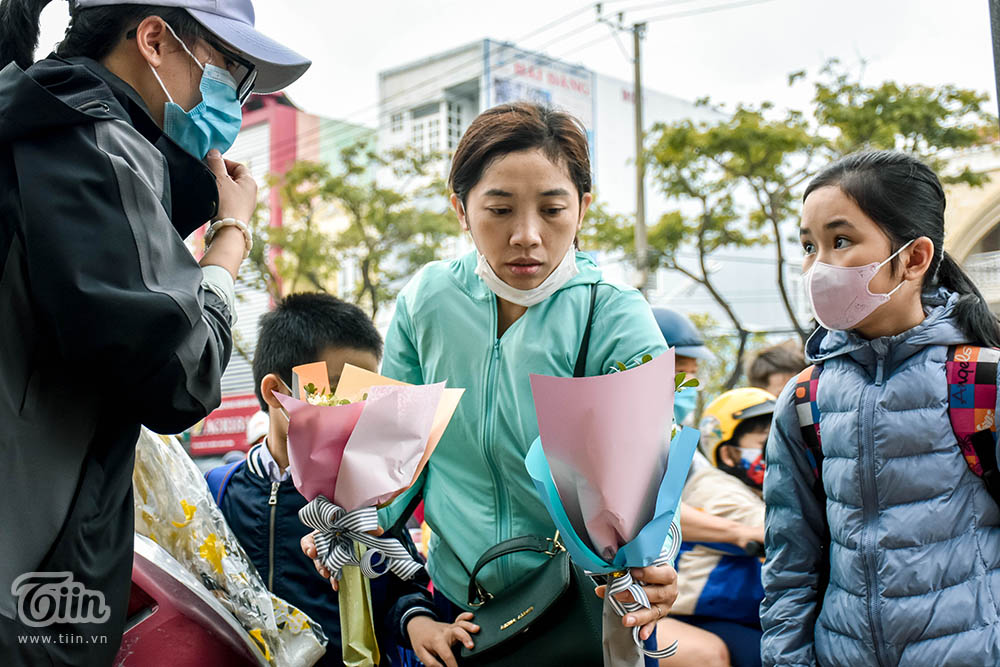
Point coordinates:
pixel 660 584
pixel 432 641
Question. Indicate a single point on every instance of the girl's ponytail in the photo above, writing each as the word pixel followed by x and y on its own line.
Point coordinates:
pixel 19 31
pixel 971 311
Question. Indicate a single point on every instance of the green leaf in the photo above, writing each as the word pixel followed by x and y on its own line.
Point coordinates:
pixel 647 358
pixel 620 366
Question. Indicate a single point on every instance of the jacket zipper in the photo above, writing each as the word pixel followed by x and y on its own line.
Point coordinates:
pixel 273 504
pixel 488 418
pixel 869 497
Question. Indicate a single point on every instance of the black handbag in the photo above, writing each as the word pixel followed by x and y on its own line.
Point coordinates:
pixel 551 617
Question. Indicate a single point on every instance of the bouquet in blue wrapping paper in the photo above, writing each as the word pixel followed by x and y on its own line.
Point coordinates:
pixel 610 466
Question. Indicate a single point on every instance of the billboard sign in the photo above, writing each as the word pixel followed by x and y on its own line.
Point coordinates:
pixel 515 75
pixel 224 430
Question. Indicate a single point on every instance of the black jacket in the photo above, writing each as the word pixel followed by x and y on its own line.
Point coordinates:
pixel 104 325
pixel 264 515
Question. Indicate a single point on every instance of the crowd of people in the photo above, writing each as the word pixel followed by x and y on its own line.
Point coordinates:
pixel 842 509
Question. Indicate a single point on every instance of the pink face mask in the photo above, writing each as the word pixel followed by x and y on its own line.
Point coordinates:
pixel 840 296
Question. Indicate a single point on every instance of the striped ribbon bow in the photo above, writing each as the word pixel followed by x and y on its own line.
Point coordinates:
pixel 340 529
pixel 623 582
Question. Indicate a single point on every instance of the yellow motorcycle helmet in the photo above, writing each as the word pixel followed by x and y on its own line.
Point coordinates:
pixel 722 416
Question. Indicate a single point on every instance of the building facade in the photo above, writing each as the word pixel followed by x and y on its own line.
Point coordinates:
pixel 972 221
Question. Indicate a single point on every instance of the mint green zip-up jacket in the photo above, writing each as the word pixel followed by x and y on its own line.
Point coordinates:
pixel 476 490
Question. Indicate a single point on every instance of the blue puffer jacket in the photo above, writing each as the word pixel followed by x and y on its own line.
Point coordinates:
pixel 915 551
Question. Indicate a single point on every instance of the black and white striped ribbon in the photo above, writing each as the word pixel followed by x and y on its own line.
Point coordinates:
pixel 623 582
pixel 340 529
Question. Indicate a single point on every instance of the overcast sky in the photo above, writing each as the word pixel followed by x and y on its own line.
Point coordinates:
pixel 735 54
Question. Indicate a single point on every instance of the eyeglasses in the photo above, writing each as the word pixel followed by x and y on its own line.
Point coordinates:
pixel 244 72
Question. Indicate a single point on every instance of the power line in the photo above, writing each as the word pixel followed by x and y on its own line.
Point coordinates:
pixel 350 132
pixel 336 136
pixel 706 10
pixel 458 67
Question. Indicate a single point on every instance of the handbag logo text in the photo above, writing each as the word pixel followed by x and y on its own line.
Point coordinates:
pixel 518 618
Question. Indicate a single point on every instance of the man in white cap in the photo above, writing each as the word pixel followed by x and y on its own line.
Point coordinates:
pixel 110 155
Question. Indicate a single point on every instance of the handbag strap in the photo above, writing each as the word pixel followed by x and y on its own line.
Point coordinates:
pixel 580 370
pixel 543 545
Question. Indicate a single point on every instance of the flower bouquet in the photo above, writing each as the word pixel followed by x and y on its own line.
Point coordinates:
pixel 175 509
pixel 611 475
pixel 349 451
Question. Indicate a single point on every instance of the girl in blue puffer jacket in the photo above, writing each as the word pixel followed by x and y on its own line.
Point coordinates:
pixel 888 552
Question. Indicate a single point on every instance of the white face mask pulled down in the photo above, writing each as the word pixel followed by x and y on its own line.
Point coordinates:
pixel 527 298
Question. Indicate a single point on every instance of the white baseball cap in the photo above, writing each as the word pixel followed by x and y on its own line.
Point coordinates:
pixel 232 21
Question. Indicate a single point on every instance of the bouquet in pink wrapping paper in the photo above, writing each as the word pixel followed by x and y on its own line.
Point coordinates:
pixel 368 441
pixel 351 450
pixel 610 466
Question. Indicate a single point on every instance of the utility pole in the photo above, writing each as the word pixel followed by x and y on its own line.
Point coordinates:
pixel 638 31
pixel 641 243
pixel 995 31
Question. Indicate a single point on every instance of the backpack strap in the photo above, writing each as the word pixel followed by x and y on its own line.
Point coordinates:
pixel 972 400
pixel 807 410
pixel 218 479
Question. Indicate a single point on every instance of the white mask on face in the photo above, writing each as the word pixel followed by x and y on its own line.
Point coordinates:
pixel 528 297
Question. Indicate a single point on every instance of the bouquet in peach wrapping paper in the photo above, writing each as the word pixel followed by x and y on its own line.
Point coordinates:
pixel 349 451
pixel 609 466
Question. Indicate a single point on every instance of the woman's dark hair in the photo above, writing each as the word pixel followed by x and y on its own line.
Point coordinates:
pixel 93 32
pixel 906 200
pixel 516 127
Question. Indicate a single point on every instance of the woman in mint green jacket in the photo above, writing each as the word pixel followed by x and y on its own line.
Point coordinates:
pixel 485 322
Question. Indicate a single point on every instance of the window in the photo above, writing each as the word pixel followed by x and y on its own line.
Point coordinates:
pixel 417 136
pixel 454 124
pixel 434 132
pixel 397 122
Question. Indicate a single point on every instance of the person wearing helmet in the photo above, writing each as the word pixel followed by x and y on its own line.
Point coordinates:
pixel 720 584
pixel 110 156
pixel 689 347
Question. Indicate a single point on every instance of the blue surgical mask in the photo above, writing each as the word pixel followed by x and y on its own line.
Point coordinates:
pixel 685 402
pixel 214 122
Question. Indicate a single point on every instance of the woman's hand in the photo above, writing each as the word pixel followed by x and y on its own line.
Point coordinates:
pixel 432 641
pixel 660 584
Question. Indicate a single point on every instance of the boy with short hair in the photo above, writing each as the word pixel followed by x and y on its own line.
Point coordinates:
pixel 257 495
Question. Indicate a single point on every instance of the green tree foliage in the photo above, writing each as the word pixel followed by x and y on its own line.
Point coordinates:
pixel 334 213
pixel 738 181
